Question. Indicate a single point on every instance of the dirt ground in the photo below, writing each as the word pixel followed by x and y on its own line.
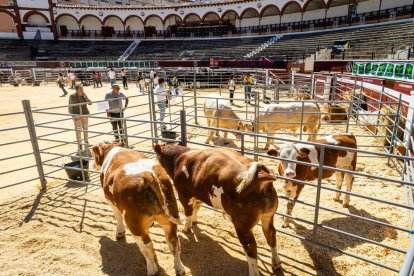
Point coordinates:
pixel 69 229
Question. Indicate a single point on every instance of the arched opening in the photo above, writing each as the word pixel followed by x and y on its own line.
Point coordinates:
pixel 66 24
pixel 153 24
pixel 229 17
pixel 171 22
pixel 36 20
pixel 114 22
pixel 249 17
pixel 192 19
pixel 270 15
pixel 211 18
pixel 7 23
pixel 291 12
pixel 134 26
pixel 90 22
pixel 91 25
pixel 314 10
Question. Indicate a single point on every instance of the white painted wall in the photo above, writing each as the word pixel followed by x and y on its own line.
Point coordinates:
pixel 315 14
pixel 338 11
pixel 291 17
pixel 369 6
pixel 9 35
pixel 247 22
pixel 44 35
pixel 40 4
pixel 267 20
pixel 395 3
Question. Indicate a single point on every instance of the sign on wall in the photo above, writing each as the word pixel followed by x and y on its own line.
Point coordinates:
pixel 391 70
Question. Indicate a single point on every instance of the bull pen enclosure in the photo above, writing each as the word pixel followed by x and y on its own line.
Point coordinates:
pixel 66 227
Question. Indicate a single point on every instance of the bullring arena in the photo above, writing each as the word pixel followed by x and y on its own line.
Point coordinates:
pixel 54 218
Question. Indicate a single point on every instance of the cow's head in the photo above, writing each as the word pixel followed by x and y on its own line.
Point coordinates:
pixel 167 154
pixel 288 169
pixel 245 126
pixel 289 152
pixel 100 150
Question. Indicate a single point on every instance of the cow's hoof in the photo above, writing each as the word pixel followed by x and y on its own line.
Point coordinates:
pixel 285 225
pixel 336 199
pixel 120 236
pixel 186 229
pixel 346 205
pixel 180 270
pixel 276 267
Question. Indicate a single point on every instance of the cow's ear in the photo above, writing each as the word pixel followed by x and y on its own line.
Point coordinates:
pixel 273 152
pixel 304 152
pixel 157 149
pixel 97 150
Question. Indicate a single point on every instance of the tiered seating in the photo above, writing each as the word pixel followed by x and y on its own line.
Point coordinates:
pixel 14 50
pixel 196 49
pixel 381 40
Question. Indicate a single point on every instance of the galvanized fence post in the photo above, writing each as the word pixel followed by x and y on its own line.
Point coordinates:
pixel 35 145
pixel 154 117
pixel 195 98
pixel 318 191
pixel 183 124
pixel 395 127
pixel 256 125
pixel 379 110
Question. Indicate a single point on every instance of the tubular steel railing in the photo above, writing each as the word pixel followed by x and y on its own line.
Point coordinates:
pixel 53 142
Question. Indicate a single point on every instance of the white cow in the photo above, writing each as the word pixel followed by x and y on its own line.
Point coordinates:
pixel 219 114
pixel 288 116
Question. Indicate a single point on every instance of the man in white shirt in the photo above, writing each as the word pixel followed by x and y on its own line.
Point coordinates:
pixel 161 99
pixel 112 76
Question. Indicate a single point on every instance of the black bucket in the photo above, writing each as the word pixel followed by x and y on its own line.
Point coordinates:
pixel 77 174
pixel 168 134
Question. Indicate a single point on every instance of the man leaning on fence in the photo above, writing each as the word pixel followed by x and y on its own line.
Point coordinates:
pixel 116 110
pixel 80 112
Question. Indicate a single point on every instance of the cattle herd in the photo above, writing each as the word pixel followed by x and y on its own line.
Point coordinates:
pixel 140 190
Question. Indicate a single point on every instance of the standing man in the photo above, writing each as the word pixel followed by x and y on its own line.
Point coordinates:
pixel 161 100
pixel 79 111
pixel 112 76
pixel 248 82
pixel 99 79
pixel 61 83
pixel 72 79
pixel 116 110
pixel 232 88
pixel 124 78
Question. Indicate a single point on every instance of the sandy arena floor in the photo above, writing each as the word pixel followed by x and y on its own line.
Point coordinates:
pixel 70 230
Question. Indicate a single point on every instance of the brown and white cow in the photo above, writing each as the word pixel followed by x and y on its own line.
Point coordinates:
pixel 231 182
pixel 336 113
pixel 288 116
pixel 219 114
pixel 335 158
pixel 139 192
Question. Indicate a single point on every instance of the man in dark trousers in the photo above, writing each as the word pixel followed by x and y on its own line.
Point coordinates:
pixel 79 111
pixel 116 110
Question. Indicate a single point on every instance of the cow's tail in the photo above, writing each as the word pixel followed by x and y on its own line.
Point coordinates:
pixel 156 188
pixel 247 178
